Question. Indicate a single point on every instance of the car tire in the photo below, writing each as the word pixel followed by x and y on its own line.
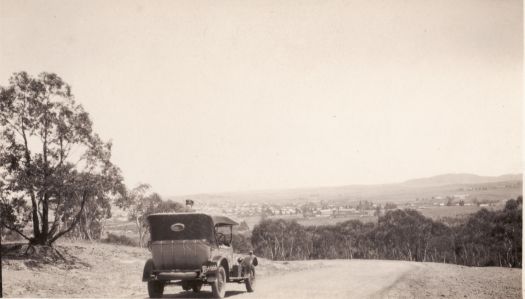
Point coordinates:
pixel 197 287
pixel 186 285
pixel 155 288
pixel 218 287
pixel 250 281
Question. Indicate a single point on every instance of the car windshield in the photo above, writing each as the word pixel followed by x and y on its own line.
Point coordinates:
pixel 224 234
pixel 181 227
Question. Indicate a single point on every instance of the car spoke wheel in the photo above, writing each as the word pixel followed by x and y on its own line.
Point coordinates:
pixel 155 288
pixel 250 281
pixel 218 287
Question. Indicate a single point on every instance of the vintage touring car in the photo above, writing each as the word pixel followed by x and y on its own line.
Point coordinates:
pixel 192 249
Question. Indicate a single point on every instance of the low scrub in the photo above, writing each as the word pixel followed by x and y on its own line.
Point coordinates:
pixel 120 240
pixel 485 238
pixel 241 243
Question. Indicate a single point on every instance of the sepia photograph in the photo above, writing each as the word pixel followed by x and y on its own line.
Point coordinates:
pixel 261 149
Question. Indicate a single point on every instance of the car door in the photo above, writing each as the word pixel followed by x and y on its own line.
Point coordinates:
pixel 224 236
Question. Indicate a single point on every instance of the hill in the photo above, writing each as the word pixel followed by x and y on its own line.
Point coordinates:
pixel 482 187
pixel 461 179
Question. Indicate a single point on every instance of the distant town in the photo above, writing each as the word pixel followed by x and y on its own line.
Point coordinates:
pixel 469 196
pixel 327 206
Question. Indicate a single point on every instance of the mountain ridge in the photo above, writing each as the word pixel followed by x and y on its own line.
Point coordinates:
pixel 357 192
pixel 461 179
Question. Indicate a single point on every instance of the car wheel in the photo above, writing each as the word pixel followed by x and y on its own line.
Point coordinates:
pixel 218 287
pixel 250 281
pixel 186 285
pixel 155 288
pixel 197 287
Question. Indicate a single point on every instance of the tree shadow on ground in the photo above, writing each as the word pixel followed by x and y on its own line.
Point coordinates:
pixel 36 256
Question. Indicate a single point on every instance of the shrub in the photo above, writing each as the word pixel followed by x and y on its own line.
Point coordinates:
pixel 486 238
pixel 120 240
pixel 241 244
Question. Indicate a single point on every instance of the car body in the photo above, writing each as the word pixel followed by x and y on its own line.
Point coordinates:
pixel 193 249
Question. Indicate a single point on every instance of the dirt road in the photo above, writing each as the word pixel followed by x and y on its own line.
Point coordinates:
pixel 378 279
pixel 109 271
pixel 334 279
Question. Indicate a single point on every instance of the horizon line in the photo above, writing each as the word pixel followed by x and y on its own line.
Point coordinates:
pixel 335 186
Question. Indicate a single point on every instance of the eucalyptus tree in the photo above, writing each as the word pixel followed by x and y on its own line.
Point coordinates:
pixel 50 158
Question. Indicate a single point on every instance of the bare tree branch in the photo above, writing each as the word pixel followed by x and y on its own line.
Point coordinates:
pixel 16 230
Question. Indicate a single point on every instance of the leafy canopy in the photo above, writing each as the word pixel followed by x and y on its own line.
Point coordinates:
pixel 50 158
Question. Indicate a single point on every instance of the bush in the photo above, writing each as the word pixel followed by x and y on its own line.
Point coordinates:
pixel 10 236
pixel 241 244
pixel 486 238
pixel 120 240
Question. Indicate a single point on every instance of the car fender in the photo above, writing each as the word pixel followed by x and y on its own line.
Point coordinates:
pixel 148 269
pixel 211 276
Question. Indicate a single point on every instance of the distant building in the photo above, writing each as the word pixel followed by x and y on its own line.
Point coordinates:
pixel 341 212
pixel 325 212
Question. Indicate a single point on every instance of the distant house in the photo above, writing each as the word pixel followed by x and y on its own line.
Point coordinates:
pixel 325 212
pixel 341 212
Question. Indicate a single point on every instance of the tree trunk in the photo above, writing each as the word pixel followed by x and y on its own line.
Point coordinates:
pixel 34 205
pixel 45 218
pixel 36 224
pixel 139 229
pixel 52 239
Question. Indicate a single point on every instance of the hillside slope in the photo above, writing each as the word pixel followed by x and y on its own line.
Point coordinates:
pixel 461 179
pixel 486 187
pixel 103 270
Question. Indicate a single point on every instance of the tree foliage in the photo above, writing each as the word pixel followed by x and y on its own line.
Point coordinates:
pixel 51 159
pixel 486 238
pixel 241 243
pixel 141 202
pixel 390 206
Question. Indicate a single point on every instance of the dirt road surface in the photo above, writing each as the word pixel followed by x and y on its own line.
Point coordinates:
pixel 378 279
pixel 109 271
pixel 332 279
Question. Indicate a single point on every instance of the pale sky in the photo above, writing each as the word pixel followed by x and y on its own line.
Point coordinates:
pixel 209 96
